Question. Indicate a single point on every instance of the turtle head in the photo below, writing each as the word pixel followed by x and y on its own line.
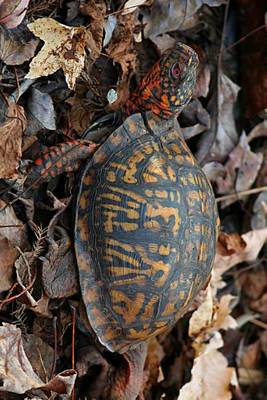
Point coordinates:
pixel 168 85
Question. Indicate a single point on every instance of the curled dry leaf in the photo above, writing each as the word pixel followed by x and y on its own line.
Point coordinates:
pixel 64 48
pixel 12 12
pixel 11 140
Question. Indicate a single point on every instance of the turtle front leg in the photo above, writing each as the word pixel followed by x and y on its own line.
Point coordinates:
pixel 64 157
pixel 128 380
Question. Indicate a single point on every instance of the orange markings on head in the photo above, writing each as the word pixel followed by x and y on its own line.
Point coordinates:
pixel 39 161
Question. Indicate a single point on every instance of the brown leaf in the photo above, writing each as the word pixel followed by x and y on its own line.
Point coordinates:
pixel 229 244
pixel 96 10
pixel 64 48
pixel 248 356
pixel 241 169
pixel 254 241
pixel 120 48
pixel 12 12
pixel 12 234
pixel 11 140
pixel 14 51
pixel 8 255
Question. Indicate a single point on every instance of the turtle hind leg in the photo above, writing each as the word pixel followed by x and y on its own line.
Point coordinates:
pixel 128 379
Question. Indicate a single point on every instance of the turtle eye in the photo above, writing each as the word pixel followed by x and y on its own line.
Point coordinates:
pixel 175 71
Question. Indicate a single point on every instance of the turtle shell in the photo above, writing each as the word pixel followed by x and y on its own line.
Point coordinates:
pixel 145 233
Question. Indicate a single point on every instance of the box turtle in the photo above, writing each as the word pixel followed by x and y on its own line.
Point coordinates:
pixel 146 218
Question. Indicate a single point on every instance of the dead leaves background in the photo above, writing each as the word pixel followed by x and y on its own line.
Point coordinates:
pixel 57 69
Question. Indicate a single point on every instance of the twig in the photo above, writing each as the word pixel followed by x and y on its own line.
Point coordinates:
pixel 241 194
pixel 259 323
pixel 259 28
pixel 55 348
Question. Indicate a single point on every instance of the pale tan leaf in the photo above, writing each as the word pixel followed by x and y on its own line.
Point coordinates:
pixel 11 140
pixel 202 317
pixel 64 48
pixel 16 372
pixel 211 376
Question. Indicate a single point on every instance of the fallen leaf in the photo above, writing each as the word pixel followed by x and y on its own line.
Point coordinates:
pixel 253 283
pixel 12 12
pixel 41 112
pixel 64 48
pixel 248 356
pixel 110 25
pixel 11 141
pixel 14 50
pixel 250 376
pixel 11 227
pixel 221 139
pixel 8 255
pixel 211 377
pixel 170 15
pixel 259 217
pixel 131 5
pixel 254 241
pixel 16 372
pixel 96 10
pixel 59 276
pixel 120 48
pixel 41 358
pixel 241 170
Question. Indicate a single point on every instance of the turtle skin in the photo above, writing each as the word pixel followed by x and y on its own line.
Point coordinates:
pixel 145 232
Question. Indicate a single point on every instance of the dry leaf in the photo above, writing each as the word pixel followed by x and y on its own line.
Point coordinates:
pixel 219 141
pixel 120 49
pixel 11 140
pixel 131 5
pixel 16 372
pixel 64 48
pixel 211 376
pixel 8 255
pixel 14 50
pixel 96 10
pixel 241 170
pixel 170 15
pixel 254 241
pixel 12 12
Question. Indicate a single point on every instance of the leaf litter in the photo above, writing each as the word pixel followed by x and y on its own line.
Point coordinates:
pixel 60 70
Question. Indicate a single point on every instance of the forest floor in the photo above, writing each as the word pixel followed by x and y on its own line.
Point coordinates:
pixel 219 349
